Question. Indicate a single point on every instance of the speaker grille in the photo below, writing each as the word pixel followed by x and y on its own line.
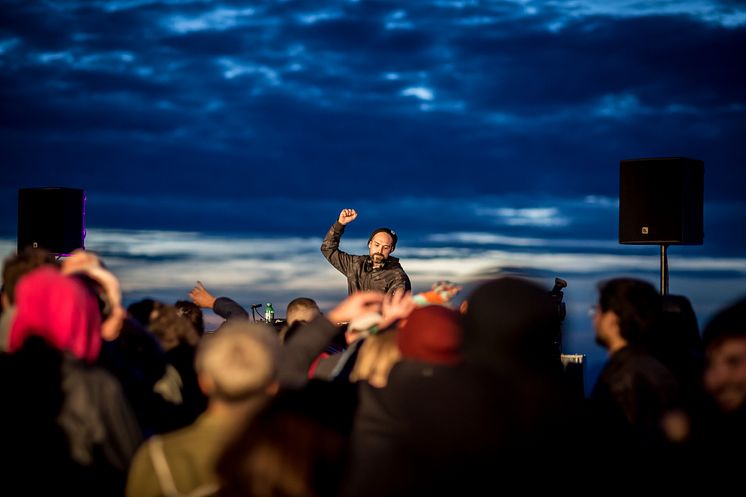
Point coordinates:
pixel 51 218
pixel 661 201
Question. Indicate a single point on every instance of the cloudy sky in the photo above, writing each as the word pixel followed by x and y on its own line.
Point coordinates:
pixel 174 113
pixel 464 124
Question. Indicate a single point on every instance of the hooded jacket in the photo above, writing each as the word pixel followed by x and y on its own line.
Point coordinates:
pixel 359 268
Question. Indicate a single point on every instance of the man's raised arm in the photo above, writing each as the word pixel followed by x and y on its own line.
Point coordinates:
pixel 330 246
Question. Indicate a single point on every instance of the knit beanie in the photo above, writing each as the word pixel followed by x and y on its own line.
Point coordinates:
pixel 431 334
pixel 59 309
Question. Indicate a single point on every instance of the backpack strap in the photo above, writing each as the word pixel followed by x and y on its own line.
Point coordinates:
pixel 160 464
pixel 166 479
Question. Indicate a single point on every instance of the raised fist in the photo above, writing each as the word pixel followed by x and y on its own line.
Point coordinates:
pixel 346 216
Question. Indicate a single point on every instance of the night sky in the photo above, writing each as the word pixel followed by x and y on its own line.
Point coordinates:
pixel 453 121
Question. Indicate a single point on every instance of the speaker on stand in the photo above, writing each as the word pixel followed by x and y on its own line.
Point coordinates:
pixel 661 202
pixel 52 218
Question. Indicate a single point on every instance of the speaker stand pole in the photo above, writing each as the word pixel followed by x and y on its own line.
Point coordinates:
pixel 664 269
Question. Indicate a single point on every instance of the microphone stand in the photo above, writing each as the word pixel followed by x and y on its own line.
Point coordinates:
pixel 254 312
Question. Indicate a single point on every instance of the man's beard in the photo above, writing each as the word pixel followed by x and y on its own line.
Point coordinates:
pixel 378 260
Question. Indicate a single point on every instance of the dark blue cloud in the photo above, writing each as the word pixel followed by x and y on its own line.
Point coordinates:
pixel 365 100
pixel 658 59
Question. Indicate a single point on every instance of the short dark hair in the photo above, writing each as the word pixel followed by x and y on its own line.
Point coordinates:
pixel 170 328
pixel 193 313
pixel 391 233
pixel 18 265
pixel 301 303
pixel 636 303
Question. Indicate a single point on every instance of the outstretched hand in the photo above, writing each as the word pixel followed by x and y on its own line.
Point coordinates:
pixel 201 296
pixel 356 305
pixel 90 265
pixel 397 305
pixel 346 216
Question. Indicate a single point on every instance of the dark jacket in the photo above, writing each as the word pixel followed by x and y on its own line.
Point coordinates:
pixel 67 424
pixel 359 268
pixel 633 393
pixel 228 308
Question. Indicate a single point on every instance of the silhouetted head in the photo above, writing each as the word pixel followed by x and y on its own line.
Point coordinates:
pixel 295 445
pixel 140 310
pixel 636 304
pixel 301 309
pixel 431 334
pixel 15 266
pixel 511 323
pixel 724 339
pixel 193 313
pixel 238 361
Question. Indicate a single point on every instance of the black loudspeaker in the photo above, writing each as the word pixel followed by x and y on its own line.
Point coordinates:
pixel 51 218
pixel 661 201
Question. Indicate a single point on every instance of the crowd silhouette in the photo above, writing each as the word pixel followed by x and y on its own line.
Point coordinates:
pixel 383 394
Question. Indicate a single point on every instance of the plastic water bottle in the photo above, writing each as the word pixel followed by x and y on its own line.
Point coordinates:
pixel 269 313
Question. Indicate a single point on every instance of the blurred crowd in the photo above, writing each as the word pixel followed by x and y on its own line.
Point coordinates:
pixel 383 394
